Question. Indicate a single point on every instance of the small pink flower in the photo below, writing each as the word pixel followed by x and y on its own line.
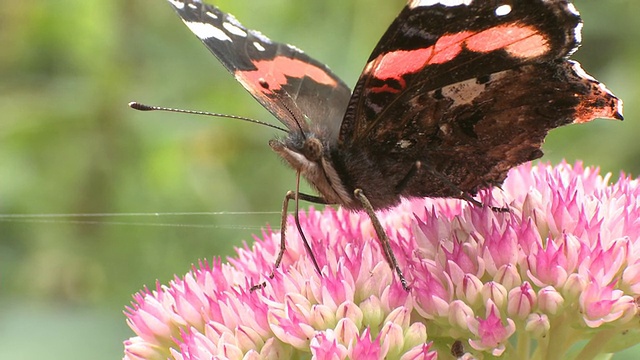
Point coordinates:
pixel 537 325
pixel 366 348
pixel 491 333
pixel 550 301
pixel 521 301
pixel 325 346
pixel 564 260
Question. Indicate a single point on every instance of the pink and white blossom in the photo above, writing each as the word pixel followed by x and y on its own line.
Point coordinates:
pixel 561 267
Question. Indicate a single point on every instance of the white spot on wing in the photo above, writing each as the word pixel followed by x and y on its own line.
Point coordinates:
pixel 235 30
pixel 503 10
pixel 463 92
pixel 261 37
pixel 419 3
pixel 577 32
pixel 577 35
pixel 211 15
pixel 403 144
pixel 578 69
pixel 207 31
pixel 583 74
pixel 619 106
pixel 573 9
pixel 192 6
pixel 177 4
pixel 258 46
pixel 295 48
pixel 232 20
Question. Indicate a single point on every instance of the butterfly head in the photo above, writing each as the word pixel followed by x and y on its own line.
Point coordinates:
pixel 307 154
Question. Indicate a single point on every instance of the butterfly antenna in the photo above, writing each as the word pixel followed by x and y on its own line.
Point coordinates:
pixel 143 107
pixel 265 85
pixel 293 116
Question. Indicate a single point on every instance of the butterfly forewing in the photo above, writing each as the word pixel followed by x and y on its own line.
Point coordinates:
pixel 468 91
pixel 298 90
pixel 428 47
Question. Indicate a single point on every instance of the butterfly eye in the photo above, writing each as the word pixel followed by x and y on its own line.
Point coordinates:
pixel 313 149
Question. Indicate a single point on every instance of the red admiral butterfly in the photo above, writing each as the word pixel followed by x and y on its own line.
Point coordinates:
pixel 455 94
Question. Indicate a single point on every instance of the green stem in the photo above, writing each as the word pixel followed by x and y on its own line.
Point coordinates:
pixel 523 351
pixel 596 344
pixel 559 339
pixel 542 345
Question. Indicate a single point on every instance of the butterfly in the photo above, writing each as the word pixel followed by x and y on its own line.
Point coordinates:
pixel 455 94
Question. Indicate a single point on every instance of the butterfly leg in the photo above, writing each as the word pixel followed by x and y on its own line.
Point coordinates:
pixel 293 195
pixel 466 196
pixel 382 237
pixel 417 166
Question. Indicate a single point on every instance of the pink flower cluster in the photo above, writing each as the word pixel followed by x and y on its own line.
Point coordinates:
pixel 561 268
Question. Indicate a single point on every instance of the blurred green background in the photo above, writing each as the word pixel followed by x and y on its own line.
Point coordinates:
pixel 70 145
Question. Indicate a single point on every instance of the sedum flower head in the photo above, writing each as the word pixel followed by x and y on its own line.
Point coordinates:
pixel 556 277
